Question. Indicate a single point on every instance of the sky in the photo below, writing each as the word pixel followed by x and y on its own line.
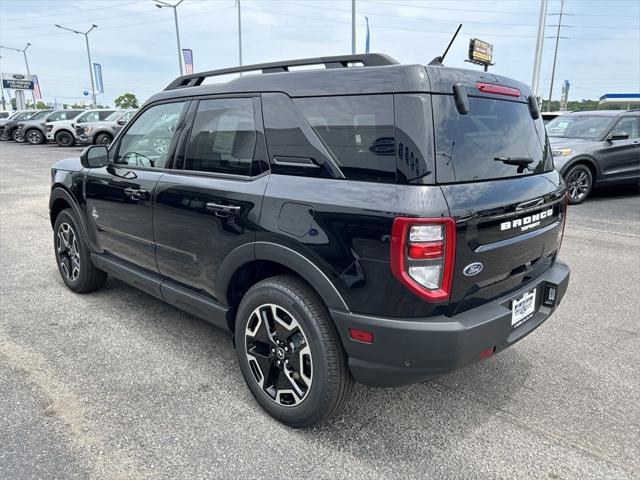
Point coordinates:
pixel 135 42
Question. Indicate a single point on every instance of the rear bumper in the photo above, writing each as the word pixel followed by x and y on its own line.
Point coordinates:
pixel 411 351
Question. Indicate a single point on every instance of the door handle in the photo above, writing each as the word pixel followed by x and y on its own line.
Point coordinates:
pixel 226 209
pixel 135 193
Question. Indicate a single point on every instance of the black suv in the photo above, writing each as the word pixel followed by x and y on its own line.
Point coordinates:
pixel 367 220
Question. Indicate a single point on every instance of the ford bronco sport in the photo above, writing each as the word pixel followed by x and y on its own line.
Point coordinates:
pixel 364 221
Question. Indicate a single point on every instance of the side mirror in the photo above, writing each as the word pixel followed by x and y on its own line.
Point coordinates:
pixel 121 122
pixel 618 135
pixel 95 156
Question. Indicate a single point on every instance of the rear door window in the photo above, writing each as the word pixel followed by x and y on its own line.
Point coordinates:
pixel 470 147
pixel 358 130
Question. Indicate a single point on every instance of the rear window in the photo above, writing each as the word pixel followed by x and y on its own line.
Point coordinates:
pixel 468 146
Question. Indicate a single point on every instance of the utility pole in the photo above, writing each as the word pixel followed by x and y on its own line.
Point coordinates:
pixel 353 27
pixel 86 38
pixel 535 82
pixel 555 55
pixel 239 34
pixel 162 4
pixel 26 63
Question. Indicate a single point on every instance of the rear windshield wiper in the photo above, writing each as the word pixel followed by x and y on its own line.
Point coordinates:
pixel 520 162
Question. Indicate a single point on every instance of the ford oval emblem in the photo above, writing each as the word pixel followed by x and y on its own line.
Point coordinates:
pixel 472 269
pixel 17 76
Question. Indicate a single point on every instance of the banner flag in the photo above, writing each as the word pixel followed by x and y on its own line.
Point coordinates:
pixel 36 88
pixel 97 73
pixel 366 43
pixel 188 60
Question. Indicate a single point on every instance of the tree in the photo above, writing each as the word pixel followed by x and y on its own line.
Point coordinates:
pixel 126 100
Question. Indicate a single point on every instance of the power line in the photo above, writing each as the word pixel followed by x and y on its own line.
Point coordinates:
pixel 74 11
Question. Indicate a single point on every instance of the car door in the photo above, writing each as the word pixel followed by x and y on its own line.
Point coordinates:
pixel 620 158
pixel 209 204
pixel 120 196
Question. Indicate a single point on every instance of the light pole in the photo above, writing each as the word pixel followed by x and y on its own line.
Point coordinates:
pixel 162 4
pixel 239 34
pixel 353 27
pixel 86 38
pixel 539 44
pixel 26 63
pixel 555 55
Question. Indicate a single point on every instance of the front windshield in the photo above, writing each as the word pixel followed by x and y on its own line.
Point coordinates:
pixel 114 116
pixel 578 126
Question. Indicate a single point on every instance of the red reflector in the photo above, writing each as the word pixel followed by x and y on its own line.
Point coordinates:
pixel 360 335
pixel 421 251
pixel 487 352
pixel 497 89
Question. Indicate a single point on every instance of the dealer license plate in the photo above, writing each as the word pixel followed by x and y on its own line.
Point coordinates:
pixel 523 308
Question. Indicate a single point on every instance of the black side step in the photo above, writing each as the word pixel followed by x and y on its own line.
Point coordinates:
pixel 193 303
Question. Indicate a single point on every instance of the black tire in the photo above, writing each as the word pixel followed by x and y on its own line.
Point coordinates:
pixel 16 137
pixel 34 136
pixel 65 139
pixel 579 180
pixel 88 277
pixel 324 361
pixel 103 139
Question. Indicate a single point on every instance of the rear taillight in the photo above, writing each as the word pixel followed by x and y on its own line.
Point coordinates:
pixel 497 89
pixel 422 254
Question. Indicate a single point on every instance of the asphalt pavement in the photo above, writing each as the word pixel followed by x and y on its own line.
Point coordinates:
pixel 116 384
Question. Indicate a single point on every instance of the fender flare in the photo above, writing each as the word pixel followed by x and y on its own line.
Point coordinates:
pixel 284 256
pixel 60 192
pixel 583 159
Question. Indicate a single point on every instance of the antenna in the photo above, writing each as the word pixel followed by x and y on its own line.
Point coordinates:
pixel 440 59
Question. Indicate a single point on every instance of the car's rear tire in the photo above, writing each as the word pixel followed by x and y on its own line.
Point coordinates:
pixel 65 139
pixel 281 319
pixel 16 137
pixel 73 257
pixel 579 180
pixel 34 137
pixel 103 139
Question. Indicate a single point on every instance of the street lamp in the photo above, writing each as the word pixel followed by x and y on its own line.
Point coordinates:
pixel 86 38
pixel 24 52
pixel 161 4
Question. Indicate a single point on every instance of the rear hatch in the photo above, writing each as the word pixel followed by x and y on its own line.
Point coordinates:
pixel 494 166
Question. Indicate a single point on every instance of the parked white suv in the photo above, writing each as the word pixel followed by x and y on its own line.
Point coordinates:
pixel 63 132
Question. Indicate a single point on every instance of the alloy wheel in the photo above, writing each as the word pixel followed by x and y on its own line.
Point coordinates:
pixel 34 137
pixel 579 184
pixel 279 355
pixel 68 251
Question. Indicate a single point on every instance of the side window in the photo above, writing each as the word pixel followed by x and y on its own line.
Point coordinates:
pixel 414 138
pixel 146 143
pixel 359 131
pixel 628 125
pixel 223 137
pixel 104 114
pixel 71 114
pixel 88 117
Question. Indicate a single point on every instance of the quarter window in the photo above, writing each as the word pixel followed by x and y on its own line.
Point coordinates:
pixel 146 143
pixel 358 130
pixel 223 138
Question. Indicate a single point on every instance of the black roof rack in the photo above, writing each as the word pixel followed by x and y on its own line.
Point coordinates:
pixel 340 61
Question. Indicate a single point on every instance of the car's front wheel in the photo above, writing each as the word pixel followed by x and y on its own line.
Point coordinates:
pixel 64 139
pixel 289 352
pixel 579 180
pixel 35 137
pixel 73 257
pixel 103 139
pixel 16 136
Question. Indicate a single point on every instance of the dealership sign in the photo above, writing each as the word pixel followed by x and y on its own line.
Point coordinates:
pixel 17 81
pixel 480 52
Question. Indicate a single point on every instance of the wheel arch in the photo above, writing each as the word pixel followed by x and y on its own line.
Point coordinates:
pixel 587 160
pixel 250 263
pixel 62 199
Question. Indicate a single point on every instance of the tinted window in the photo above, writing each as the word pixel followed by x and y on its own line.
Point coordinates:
pixel 287 140
pixel 88 117
pixel 358 130
pixel 146 143
pixel 468 146
pixel 628 125
pixel 414 138
pixel 223 137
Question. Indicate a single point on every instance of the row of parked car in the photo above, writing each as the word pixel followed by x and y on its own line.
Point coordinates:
pixel 64 127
